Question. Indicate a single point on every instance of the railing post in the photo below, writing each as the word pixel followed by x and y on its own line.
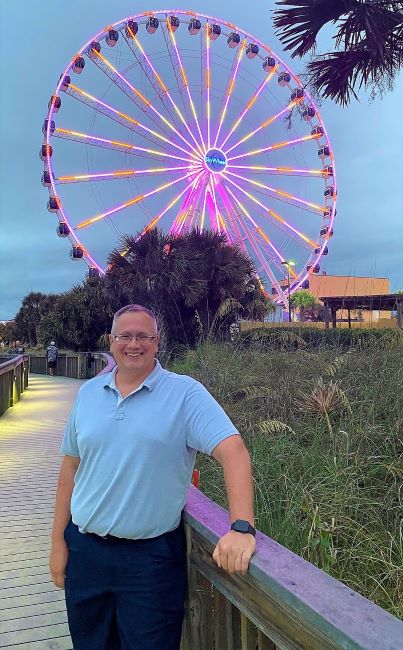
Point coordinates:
pixel 12 387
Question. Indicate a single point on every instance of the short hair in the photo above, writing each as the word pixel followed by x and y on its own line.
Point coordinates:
pixel 133 308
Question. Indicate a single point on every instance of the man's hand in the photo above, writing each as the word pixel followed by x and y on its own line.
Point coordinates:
pixel 58 562
pixel 234 550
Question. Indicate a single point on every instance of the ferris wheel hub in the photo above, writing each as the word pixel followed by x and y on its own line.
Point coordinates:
pixel 215 161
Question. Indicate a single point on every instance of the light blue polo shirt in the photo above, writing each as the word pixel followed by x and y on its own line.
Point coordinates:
pixel 137 453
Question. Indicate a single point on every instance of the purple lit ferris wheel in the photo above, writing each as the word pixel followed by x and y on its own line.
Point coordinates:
pixel 181 120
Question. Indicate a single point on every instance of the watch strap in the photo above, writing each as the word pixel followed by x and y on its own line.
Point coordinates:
pixel 243 526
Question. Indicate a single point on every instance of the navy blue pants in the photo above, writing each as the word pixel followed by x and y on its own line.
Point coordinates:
pixel 125 594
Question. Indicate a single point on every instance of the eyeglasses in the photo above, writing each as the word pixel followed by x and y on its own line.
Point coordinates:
pixel 128 338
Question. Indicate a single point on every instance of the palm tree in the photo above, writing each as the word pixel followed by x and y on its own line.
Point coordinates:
pixel 79 317
pixel 34 307
pixel 184 280
pixel 368 39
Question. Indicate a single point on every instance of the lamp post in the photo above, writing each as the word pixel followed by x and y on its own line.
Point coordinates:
pixel 288 263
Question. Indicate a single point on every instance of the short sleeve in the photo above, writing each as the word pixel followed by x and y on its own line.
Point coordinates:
pixel 207 424
pixel 69 444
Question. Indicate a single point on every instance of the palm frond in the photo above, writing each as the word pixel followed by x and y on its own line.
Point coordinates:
pixel 275 426
pixel 368 43
pixel 298 27
pixel 340 75
pixel 333 368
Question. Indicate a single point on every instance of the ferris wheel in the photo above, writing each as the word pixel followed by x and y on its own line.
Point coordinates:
pixel 178 120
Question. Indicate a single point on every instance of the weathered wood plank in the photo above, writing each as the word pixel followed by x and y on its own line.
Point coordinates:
pixel 34 634
pixel 34 588
pixel 34 599
pixel 220 620
pixel 33 554
pixel 22 580
pixel 32 621
pixel 263 643
pixel 49 607
pixel 248 634
pixel 22 573
pixel 60 643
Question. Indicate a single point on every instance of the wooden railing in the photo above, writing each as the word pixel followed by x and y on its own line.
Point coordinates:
pixel 283 603
pixel 13 379
pixel 78 365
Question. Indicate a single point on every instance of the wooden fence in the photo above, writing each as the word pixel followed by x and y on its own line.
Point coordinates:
pixel 283 603
pixel 13 379
pixel 78 365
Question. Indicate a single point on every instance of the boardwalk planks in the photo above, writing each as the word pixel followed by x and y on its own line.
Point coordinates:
pixel 32 609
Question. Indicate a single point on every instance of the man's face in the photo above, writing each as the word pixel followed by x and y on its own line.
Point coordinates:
pixel 136 356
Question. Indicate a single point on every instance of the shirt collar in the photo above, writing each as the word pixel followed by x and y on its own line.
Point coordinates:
pixel 150 382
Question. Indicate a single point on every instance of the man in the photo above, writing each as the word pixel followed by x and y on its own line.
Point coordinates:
pixel 51 357
pixel 129 450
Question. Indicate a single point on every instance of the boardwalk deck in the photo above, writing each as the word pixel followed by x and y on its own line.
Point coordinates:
pixel 32 609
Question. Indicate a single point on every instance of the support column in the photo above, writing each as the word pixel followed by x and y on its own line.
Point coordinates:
pixel 400 314
pixel 333 312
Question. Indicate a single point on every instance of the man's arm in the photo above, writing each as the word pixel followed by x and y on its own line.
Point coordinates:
pixel 59 553
pixel 234 549
pixel 234 458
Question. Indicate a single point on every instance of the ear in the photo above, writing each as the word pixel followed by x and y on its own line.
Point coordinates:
pixel 111 340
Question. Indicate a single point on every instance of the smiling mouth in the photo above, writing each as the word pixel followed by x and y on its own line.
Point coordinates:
pixel 134 356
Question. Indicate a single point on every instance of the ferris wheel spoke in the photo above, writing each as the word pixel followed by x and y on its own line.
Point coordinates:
pixel 163 87
pixel 170 205
pixel 126 204
pixel 120 117
pixel 259 230
pixel 230 213
pixel 256 247
pixel 262 126
pixel 186 84
pixel 144 63
pixel 282 196
pixel 120 80
pixel 220 219
pixel 116 145
pixel 274 147
pixel 127 173
pixel 283 171
pixel 230 86
pixel 274 214
pixel 249 105
pixel 182 214
pixel 238 238
pixel 208 85
pixel 188 214
pixel 203 213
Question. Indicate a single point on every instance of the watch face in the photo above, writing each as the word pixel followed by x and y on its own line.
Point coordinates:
pixel 242 526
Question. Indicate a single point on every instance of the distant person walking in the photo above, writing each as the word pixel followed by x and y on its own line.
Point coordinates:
pixel 51 357
pixel 17 348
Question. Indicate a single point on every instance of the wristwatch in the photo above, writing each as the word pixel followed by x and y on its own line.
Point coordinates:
pixel 242 526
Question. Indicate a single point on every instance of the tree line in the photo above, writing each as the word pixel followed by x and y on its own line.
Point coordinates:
pixel 196 284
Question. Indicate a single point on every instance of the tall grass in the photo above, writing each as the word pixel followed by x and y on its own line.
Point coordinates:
pixel 324 429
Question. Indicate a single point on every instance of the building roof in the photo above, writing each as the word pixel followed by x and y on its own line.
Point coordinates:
pixel 384 302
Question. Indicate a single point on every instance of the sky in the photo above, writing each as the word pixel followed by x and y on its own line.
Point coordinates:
pixel 42 37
